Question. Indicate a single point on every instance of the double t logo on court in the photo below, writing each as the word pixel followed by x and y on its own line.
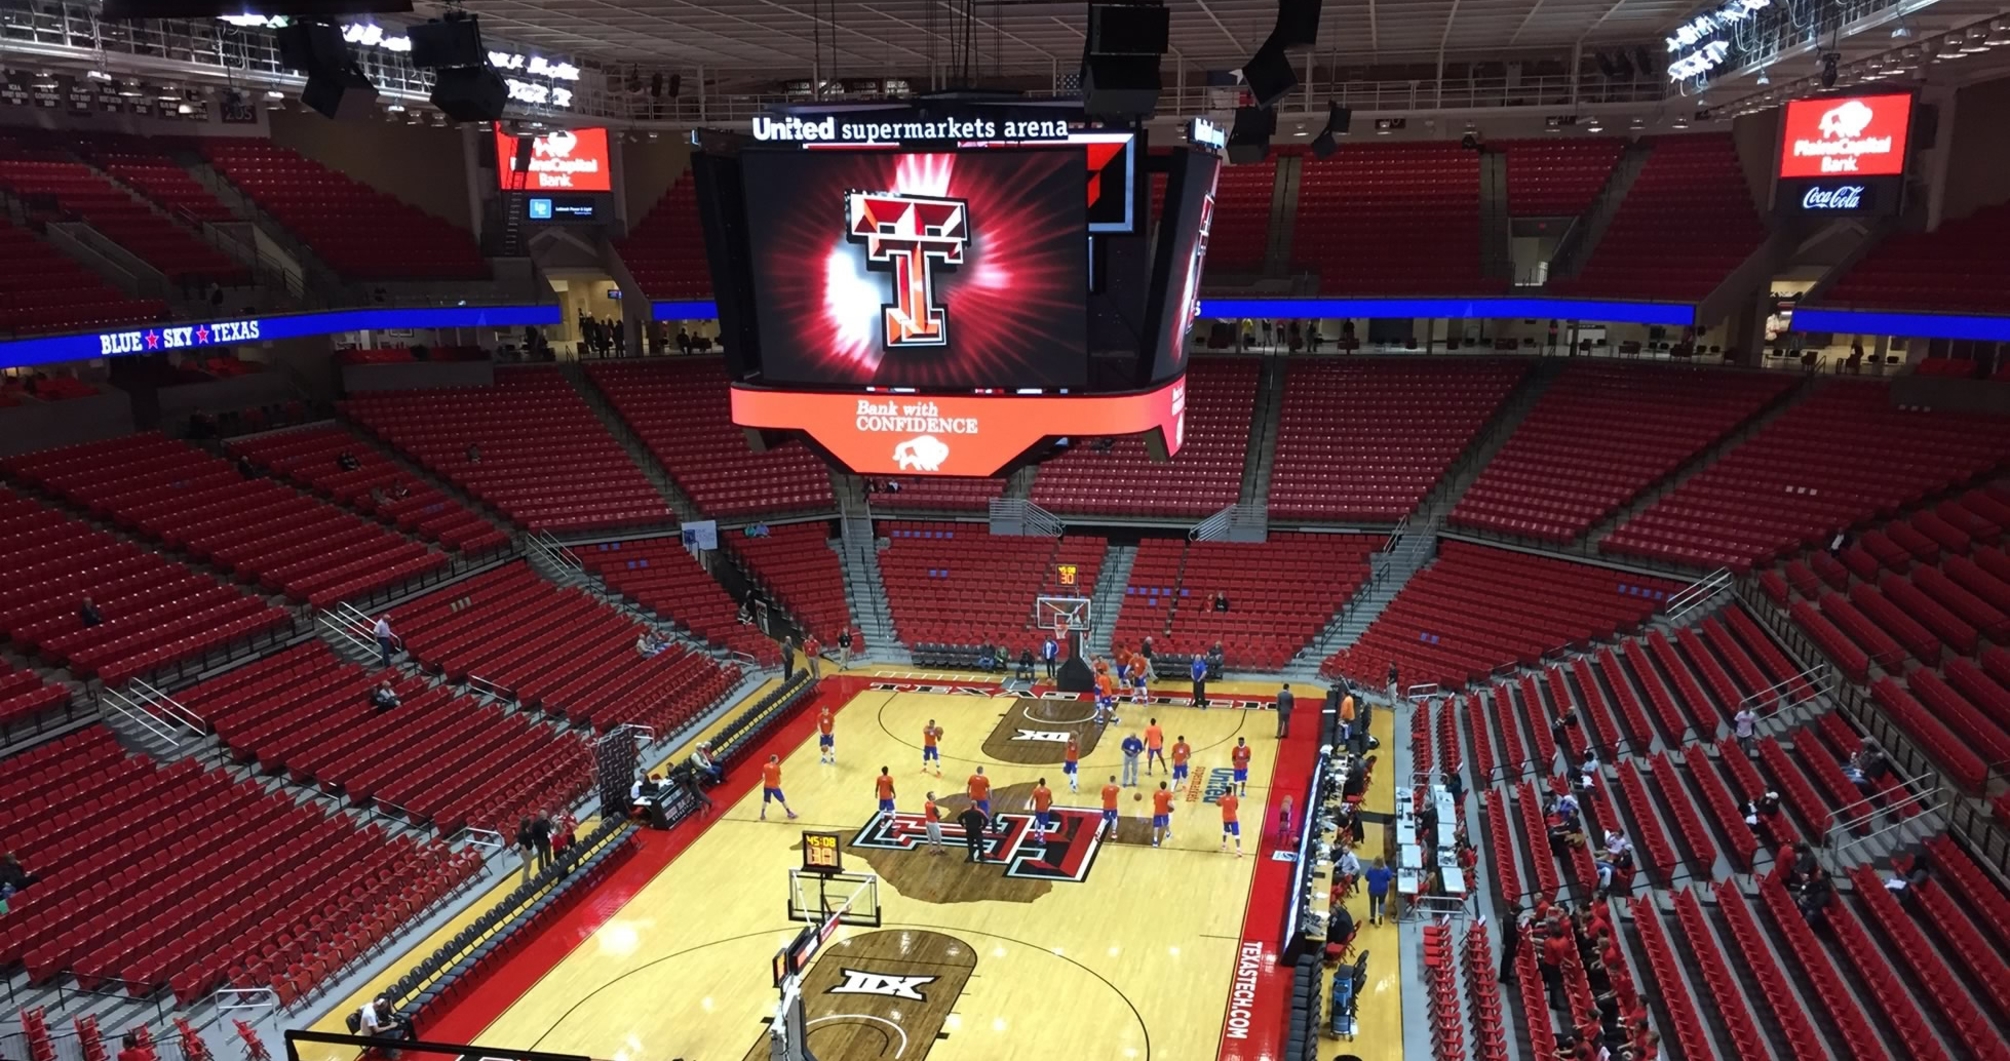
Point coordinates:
pixel 1066 854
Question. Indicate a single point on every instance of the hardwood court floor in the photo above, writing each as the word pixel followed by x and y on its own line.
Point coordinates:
pixel 1134 961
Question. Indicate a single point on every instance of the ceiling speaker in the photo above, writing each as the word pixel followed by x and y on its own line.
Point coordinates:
pixel 344 94
pixel 1297 23
pixel 471 94
pixel 1249 138
pixel 1269 75
pixel 437 44
pixel 1129 29
pixel 1120 86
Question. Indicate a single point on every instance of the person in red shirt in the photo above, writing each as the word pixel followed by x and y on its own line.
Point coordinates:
pixel 1238 757
pixel 980 791
pixel 826 740
pixel 1071 764
pixel 930 734
pixel 1109 824
pixel 1556 949
pixel 1162 808
pixel 931 820
pixel 883 785
pixel 1155 745
pixel 813 655
pixel 1043 814
pixel 771 786
pixel 1180 754
pixel 1230 804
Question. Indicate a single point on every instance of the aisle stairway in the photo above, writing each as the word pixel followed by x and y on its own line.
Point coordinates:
pixel 1111 580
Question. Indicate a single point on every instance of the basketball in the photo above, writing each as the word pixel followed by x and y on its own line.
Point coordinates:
pixel 1139 796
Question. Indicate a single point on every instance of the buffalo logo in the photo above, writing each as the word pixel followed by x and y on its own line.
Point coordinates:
pixel 909 236
pixel 556 145
pixel 1846 120
pixel 924 453
pixel 860 982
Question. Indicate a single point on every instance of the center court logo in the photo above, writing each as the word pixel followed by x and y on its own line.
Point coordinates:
pixel 909 236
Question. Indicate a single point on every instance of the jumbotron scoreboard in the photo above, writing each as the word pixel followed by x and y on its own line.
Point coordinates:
pixel 953 286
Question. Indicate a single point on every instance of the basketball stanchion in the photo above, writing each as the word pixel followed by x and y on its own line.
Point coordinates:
pixel 841 899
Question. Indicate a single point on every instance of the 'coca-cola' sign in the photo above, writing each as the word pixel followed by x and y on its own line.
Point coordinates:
pixel 1840 197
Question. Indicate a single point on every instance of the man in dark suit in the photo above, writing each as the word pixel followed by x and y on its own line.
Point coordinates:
pixel 1285 702
pixel 973 822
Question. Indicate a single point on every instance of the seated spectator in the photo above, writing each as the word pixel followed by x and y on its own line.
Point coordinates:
pixel 13 876
pixel 245 468
pixel 651 644
pixel 384 698
pixel 1867 767
pixel 987 656
pixel 474 454
pixel 1215 662
pixel 1804 866
pixel 1346 870
pixel 377 1019
pixel 564 832
pixel 707 766
pixel 87 613
pixel 1025 665
pixel 1220 601
pixel 1587 771
pixel 132 1049
pixel 397 491
pixel 347 461
pixel 1814 896
pixel 1761 816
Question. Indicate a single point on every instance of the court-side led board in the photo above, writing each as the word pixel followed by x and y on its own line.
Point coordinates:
pixel 1071 943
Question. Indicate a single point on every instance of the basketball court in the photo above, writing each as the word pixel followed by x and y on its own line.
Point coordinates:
pixel 1078 946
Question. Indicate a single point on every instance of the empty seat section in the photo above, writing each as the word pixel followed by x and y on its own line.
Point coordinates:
pixel 527 446
pixel 150 165
pixel 437 759
pixel 1365 439
pixel 1204 477
pixel 1803 476
pixel 1391 219
pixel 25 698
pixel 956 584
pixel 560 651
pixel 1241 234
pixel 682 411
pixel 62 187
pixel 1956 267
pixel 321 206
pixel 312 457
pixel 1476 608
pixel 260 531
pixel 145 894
pixel 155 612
pixel 1600 435
pixel 937 493
pixel 1556 178
pixel 43 290
pixel 659 575
pixel 665 251
pixel 797 568
pixel 1687 221
pixel 1281 594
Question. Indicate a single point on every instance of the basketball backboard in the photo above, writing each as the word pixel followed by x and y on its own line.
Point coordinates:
pixel 1062 614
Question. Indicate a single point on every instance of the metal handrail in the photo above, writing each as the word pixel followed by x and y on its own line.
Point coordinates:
pixel 174 708
pixel 138 713
pixel 243 998
pixel 1697 593
pixel 1838 838
pixel 487 839
pixel 1818 679
pixel 487 687
pixel 337 627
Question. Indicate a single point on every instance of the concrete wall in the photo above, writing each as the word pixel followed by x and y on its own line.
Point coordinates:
pixel 1758 139
pixel 647 169
pixel 43 425
pixel 418 164
pixel 1978 171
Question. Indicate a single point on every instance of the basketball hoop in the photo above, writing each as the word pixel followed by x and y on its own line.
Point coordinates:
pixel 1061 628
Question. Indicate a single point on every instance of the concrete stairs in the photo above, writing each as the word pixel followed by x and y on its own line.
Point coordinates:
pixel 1112 579
pixel 1436 505
pixel 658 476
pixel 1392 568
pixel 1262 456
pixel 1283 210
pixel 446 486
pixel 1019 485
pixel 1496 227
pixel 320 280
pixel 858 545
pixel 1578 244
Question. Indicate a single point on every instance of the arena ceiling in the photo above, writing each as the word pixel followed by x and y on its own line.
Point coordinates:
pixel 781 38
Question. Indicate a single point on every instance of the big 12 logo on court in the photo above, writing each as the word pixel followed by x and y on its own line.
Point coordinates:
pixel 909 236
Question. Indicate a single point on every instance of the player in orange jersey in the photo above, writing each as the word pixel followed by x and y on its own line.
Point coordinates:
pixel 980 791
pixel 1071 762
pixel 1043 814
pixel 929 752
pixel 1238 757
pixel 1181 752
pixel 1155 745
pixel 1110 793
pixel 883 784
pixel 771 786
pixel 1230 803
pixel 931 820
pixel 826 741
pixel 1106 699
pixel 1140 687
pixel 1162 802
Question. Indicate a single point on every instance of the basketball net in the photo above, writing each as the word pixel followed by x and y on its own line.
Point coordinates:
pixel 1060 628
